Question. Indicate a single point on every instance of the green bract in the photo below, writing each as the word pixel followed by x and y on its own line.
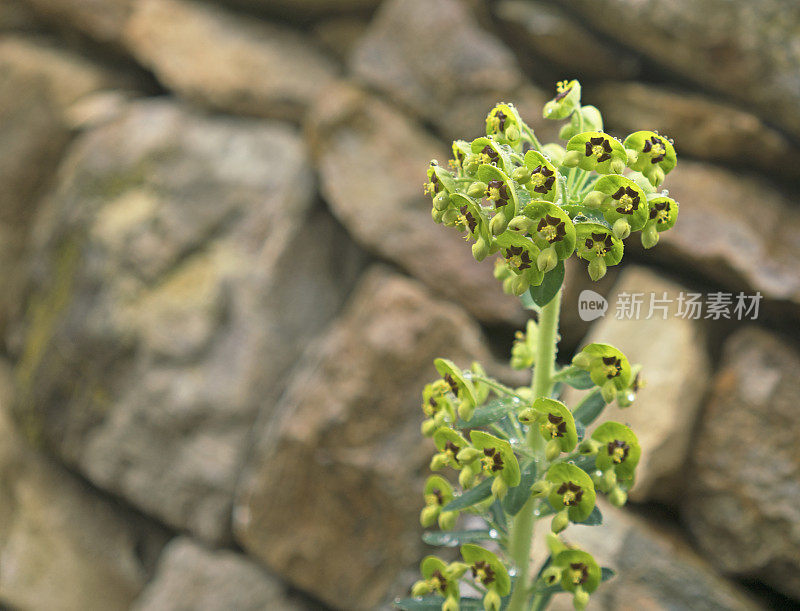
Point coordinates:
pixel 663 212
pixel 620 449
pixel 589 118
pixel 596 151
pixel 503 122
pixel 543 182
pixel 607 364
pixel 498 458
pixel 571 489
pixel 486 568
pixel 449 443
pixel 556 422
pixel 620 198
pixel 435 571
pixel 597 245
pixel 487 151
pixel 579 570
pixel 550 227
pixel 651 154
pixel 568 98
pixel 520 254
pixel 459 385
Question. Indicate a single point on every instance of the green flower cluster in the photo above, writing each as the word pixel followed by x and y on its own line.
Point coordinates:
pixel 536 205
pixel 517 455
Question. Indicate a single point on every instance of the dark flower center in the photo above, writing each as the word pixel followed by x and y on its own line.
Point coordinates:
pixel 656 148
pixel 614 366
pixel 578 573
pixel 498 121
pixel 438 494
pixel 492 460
pixel 556 425
pixel 452 383
pixel 542 179
pixel 483 572
pixel 551 228
pixel 490 154
pixel 618 451
pixel 497 191
pixel 600 243
pixel 628 200
pixel 571 494
pixel 599 147
pixel 466 218
pixel 451 448
pixel 518 257
pixel 660 211
pixel 441 581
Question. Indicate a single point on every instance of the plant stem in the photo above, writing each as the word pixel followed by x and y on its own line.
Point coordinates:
pixel 521 534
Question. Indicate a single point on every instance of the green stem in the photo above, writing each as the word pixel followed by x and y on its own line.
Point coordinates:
pixel 521 534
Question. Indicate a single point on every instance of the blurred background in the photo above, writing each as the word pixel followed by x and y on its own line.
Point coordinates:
pixel 222 291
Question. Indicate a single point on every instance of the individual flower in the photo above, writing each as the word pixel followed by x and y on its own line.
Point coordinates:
pixel 523 350
pixel 488 151
pixel 448 443
pixel 568 98
pixel 437 406
pixel 438 493
pixel 550 229
pixel 651 154
pixel 619 199
pixel 556 425
pixel 488 572
pixel 520 255
pixel 503 123
pixel 663 212
pixel 441 579
pixel 580 574
pixel 596 151
pixel 596 244
pixel 460 386
pixel 496 460
pixel 571 489
pixel 461 149
pixel 588 118
pixel 619 449
pixel 543 179
pixel 607 366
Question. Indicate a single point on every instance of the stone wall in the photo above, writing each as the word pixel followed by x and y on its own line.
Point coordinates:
pixel 222 292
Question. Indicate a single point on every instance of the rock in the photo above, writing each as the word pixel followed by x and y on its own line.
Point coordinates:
pixel 655 568
pixel 190 576
pixel 675 368
pixel 16 16
pixel 38 85
pixel 722 235
pixel 302 10
pixel 339 35
pixel 102 20
pixel 572 327
pixel 377 195
pixel 62 545
pixel 178 273
pixel 225 61
pixel 701 126
pixel 331 500
pixel 554 37
pixel 743 502
pixel 746 50
pixel 434 59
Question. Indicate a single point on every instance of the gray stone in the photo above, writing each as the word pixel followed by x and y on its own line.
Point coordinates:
pixel 178 273
pixel 102 20
pixel 38 86
pixel 331 500
pixel 377 194
pixel 302 10
pixel 655 568
pixel 553 37
pixel 746 50
pixel 571 327
pixel 675 368
pixel 226 61
pixel 62 545
pixel 435 59
pixel 743 502
pixel 191 577
pixel 702 127
pixel 736 244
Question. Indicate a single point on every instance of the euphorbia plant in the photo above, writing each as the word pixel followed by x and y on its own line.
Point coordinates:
pixel 519 455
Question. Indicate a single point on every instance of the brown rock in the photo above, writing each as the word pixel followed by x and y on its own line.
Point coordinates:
pixel 372 162
pixel 723 235
pixel 743 503
pixel 331 501
pixel 554 37
pixel 38 85
pixel 63 546
pixel 17 16
pixel 746 50
pixel 435 59
pixel 701 126
pixel 190 576
pixel 178 273
pixel 302 10
pixel 675 368
pixel 655 568
pixel 102 20
pixel 226 61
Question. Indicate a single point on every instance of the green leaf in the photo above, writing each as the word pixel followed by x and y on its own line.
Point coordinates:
pixel 527 302
pixel 590 409
pixel 471 497
pixel 454 538
pixel 544 293
pixel 431 603
pixel 487 414
pixel 519 495
pixel 575 377
pixel 595 518
pixel 498 516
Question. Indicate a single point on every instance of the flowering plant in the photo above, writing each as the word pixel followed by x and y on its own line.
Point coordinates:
pixel 521 454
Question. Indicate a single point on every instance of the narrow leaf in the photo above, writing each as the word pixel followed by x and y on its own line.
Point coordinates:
pixel 431 603
pixel 454 538
pixel 544 293
pixel 471 497
pixel 590 409
pixel 607 573
pixel 493 411
pixel 519 495
pixel 577 378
